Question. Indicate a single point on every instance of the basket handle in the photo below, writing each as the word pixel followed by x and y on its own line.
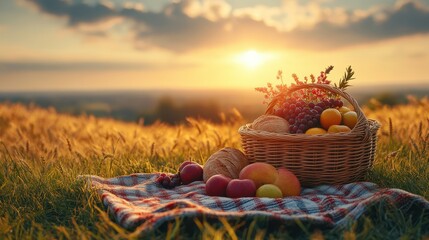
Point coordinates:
pixel 362 121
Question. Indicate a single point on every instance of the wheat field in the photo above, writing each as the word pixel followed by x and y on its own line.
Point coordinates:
pixel 42 152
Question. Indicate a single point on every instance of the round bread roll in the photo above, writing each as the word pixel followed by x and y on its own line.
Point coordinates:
pixel 227 161
pixel 271 123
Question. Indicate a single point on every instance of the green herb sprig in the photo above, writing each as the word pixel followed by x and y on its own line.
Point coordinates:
pixel 343 84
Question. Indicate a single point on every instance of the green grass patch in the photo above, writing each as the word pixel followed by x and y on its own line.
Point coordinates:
pixel 43 153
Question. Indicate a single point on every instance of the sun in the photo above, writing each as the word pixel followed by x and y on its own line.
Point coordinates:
pixel 251 58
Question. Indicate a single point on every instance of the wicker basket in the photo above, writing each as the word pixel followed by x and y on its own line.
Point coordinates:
pixel 337 158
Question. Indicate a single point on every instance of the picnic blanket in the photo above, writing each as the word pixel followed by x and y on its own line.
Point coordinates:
pixel 136 200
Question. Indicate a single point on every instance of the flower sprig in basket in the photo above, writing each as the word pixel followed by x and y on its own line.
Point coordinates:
pixel 319 157
pixel 302 108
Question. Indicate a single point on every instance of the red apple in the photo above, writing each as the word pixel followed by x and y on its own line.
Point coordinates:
pixel 191 173
pixel 185 163
pixel 216 185
pixel 241 188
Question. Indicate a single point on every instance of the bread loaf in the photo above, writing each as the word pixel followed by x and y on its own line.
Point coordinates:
pixel 227 161
pixel 271 123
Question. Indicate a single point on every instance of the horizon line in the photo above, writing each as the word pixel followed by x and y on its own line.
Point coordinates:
pixel 390 86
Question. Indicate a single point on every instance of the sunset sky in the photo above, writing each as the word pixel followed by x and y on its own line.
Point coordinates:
pixel 203 44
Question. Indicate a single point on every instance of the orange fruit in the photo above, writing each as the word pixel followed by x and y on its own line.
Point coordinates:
pixel 314 131
pixel 329 117
pixel 350 119
pixel 338 129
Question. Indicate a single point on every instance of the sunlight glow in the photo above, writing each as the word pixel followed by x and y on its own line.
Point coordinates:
pixel 251 58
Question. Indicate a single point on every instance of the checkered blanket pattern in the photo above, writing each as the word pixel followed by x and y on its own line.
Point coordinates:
pixel 137 201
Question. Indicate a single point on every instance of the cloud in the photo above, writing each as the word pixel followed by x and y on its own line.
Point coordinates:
pixel 76 12
pixel 37 66
pixel 406 19
pixel 191 24
pixel 212 10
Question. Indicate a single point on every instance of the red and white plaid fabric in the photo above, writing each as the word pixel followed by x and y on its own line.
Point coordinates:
pixel 137 201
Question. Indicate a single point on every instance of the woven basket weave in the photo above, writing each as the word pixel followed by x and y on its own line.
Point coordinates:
pixel 336 158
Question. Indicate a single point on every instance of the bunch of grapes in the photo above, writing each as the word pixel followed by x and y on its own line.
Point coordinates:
pixel 303 115
pixel 168 181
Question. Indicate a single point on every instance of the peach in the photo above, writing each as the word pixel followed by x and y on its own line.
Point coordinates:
pixel 288 183
pixel 260 173
pixel 191 173
pixel 269 191
pixel 241 188
pixel 338 129
pixel 216 185
pixel 350 119
pixel 344 109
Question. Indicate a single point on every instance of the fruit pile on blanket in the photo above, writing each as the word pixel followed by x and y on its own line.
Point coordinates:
pixel 223 178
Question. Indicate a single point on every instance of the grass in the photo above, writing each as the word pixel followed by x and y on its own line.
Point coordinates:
pixel 42 153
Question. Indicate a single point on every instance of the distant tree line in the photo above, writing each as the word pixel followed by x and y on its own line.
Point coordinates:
pixel 147 109
pixel 168 111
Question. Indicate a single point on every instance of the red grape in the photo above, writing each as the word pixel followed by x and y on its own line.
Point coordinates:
pixel 303 113
pixel 168 181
